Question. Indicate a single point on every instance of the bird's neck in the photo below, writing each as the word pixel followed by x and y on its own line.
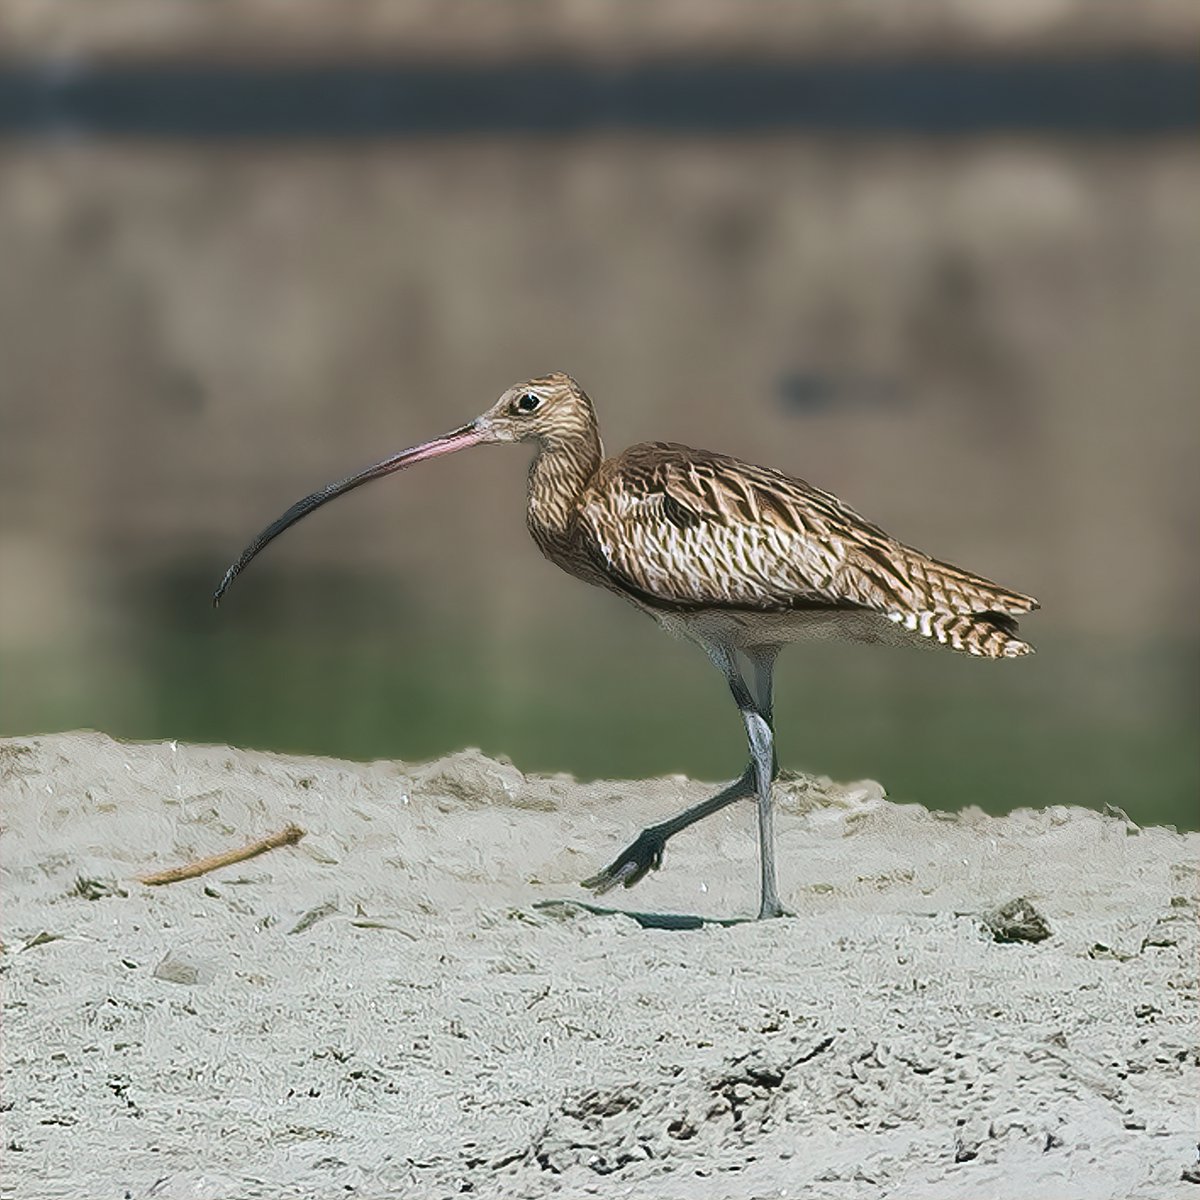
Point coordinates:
pixel 557 479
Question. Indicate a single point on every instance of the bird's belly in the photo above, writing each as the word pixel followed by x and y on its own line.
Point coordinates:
pixel 745 629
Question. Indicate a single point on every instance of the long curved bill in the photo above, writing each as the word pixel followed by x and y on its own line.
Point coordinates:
pixel 459 439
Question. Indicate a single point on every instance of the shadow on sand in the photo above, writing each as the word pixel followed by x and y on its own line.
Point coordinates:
pixel 646 920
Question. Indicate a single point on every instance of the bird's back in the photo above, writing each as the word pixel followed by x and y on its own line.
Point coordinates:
pixel 683 530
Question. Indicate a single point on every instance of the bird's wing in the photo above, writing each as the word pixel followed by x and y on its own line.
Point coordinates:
pixel 692 528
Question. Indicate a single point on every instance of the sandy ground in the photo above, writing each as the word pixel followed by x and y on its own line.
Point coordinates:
pixel 409 1003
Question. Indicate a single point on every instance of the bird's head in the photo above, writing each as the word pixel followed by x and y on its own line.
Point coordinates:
pixel 552 411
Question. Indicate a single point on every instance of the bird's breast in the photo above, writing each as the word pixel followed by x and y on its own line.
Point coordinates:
pixel 564 547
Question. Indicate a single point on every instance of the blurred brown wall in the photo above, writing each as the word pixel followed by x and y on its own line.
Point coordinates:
pixel 193 337
pixel 594 28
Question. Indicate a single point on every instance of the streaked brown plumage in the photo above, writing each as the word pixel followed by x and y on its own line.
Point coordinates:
pixel 687 530
pixel 739 558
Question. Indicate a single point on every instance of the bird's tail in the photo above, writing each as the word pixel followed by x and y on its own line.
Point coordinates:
pixel 967 612
pixel 988 634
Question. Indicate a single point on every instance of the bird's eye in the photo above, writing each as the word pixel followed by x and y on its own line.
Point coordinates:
pixel 528 402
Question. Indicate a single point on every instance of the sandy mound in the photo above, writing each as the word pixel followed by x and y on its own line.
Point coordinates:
pixel 390 1007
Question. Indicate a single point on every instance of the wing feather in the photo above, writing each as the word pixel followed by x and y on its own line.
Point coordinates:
pixel 690 528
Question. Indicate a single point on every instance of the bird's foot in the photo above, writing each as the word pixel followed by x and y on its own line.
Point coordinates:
pixel 631 865
pixel 769 903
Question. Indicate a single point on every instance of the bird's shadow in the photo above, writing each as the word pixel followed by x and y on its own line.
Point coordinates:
pixel 647 920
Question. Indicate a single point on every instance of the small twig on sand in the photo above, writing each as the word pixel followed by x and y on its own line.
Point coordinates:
pixel 285 837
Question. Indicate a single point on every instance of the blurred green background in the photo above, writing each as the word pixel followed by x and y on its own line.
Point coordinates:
pixel 984 340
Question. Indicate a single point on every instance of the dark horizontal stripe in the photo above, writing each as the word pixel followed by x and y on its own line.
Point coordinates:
pixel 1114 95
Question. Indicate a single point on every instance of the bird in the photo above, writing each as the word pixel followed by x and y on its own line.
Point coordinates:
pixel 741 560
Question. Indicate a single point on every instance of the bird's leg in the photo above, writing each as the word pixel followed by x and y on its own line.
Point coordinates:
pixel 645 853
pixel 762 659
pixel 758 717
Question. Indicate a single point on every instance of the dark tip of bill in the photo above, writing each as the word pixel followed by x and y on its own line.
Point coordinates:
pixel 222 588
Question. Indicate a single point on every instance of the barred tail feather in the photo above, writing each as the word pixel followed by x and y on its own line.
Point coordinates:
pixel 984 634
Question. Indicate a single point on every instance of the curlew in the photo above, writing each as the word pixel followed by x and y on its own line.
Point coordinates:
pixel 741 560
